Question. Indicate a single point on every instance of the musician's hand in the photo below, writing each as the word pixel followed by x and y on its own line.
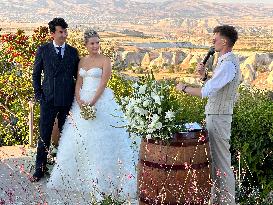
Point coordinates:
pixel 181 87
pixel 200 69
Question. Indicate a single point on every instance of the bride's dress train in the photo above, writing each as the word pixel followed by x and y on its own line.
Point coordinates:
pixel 93 156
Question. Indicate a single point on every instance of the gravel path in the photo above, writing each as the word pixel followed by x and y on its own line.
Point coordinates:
pixel 16 189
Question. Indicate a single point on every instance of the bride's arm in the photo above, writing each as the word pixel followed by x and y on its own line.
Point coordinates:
pixel 79 85
pixel 106 74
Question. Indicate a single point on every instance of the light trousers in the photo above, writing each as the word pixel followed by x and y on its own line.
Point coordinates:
pixel 219 130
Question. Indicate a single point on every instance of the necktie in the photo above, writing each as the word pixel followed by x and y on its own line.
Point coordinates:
pixel 59 52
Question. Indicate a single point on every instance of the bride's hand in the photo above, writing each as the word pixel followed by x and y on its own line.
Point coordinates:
pixel 90 103
pixel 80 102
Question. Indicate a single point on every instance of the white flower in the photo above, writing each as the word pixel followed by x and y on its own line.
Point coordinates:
pixel 129 109
pixel 139 124
pixel 126 99
pixel 135 85
pixel 144 112
pixel 149 136
pixel 138 101
pixel 156 98
pixel 141 111
pixel 169 115
pixel 158 125
pixel 129 106
pixel 142 89
pixel 146 103
pixel 159 110
pixel 150 130
pixel 133 102
pixel 155 124
pixel 155 118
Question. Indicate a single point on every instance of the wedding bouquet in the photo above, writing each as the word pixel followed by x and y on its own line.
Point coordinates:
pixel 153 110
pixel 88 112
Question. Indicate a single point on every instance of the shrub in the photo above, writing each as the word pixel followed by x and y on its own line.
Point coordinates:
pixel 17 56
pixel 252 137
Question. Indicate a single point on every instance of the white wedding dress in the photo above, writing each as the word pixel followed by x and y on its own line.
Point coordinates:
pixel 93 156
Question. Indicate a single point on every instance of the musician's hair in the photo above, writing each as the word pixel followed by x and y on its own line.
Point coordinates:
pixel 227 31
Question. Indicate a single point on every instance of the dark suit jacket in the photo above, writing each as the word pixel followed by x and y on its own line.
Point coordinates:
pixel 59 75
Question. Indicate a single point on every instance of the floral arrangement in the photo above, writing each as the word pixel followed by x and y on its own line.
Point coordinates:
pixel 152 111
pixel 88 112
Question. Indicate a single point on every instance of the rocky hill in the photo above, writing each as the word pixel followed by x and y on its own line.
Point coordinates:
pixel 255 67
pixel 90 11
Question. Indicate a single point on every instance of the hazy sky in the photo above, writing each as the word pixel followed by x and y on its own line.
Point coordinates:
pixel 223 1
pixel 245 1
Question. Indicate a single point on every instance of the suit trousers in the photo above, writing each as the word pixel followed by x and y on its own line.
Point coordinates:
pixel 48 113
pixel 219 130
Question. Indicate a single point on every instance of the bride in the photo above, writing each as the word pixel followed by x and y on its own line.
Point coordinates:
pixel 93 156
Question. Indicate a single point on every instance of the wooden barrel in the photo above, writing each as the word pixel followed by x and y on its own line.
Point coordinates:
pixel 175 173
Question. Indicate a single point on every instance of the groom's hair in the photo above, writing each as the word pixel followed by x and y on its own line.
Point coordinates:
pixel 57 22
pixel 227 31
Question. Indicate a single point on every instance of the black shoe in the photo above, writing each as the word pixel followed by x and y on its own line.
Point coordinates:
pixel 36 177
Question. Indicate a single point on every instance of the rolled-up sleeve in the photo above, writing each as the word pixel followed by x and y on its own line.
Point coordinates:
pixel 222 76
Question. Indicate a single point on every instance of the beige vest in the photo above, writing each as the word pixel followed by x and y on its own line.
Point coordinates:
pixel 223 101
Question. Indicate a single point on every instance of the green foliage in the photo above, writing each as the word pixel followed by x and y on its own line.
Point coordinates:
pixel 109 200
pixel 252 136
pixel 17 56
pixel 75 39
pixel 192 107
pixel 108 49
pixel 120 86
pixel 14 129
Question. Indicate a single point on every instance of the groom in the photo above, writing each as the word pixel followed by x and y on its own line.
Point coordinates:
pixel 58 62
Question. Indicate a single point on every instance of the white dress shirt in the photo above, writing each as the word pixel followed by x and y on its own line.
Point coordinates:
pixel 62 48
pixel 222 75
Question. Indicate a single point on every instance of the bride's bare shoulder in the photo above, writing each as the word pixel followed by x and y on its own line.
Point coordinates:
pixel 105 59
pixel 84 58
